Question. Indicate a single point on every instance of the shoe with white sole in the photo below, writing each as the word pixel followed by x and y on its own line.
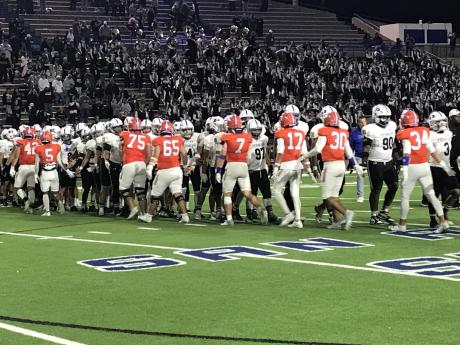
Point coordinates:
pixel 397 227
pixel 335 226
pixel 198 215
pixel 263 215
pixel 185 219
pixel 348 220
pixel 46 214
pixel 443 227
pixel 133 213
pixel 360 199
pixel 296 224
pixel 228 223
pixel 101 211
pixel 288 219
pixel 146 218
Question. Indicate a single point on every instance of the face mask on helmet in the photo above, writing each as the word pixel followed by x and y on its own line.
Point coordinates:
pixel 382 120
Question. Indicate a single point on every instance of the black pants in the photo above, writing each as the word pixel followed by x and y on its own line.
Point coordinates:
pixel 442 185
pixel 88 181
pixel 196 182
pixel 115 171
pixel 260 181
pixel 379 173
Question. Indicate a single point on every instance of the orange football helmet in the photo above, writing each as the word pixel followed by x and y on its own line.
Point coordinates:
pixel 234 122
pixel 135 124
pixel 287 120
pixel 409 119
pixel 332 119
pixel 166 127
pixel 46 137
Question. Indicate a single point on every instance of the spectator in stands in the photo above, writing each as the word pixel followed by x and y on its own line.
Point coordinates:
pixel 42 6
pixel 377 41
pixel 6 50
pixel 85 107
pixel 452 43
pixel 68 87
pixel 244 6
pixel 84 5
pixel 410 43
pixel 196 13
pixel 105 33
pixel 270 39
pixel 58 90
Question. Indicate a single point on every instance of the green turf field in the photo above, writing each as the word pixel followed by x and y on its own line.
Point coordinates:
pixel 299 297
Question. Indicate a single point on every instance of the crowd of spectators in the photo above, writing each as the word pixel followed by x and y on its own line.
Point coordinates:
pixel 91 74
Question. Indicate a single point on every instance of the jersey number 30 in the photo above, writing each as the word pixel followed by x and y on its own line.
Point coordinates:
pixel 339 140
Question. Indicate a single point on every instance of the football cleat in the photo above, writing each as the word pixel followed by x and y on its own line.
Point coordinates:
pixel 433 224
pixel 384 216
pixel 319 210
pixel 397 227
pixel 360 199
pixel 228 223
pixel 184 219
pixel 443 227
pixel 288 219
pixel 212 216
pixel 101 211
pixel 272 218
pixel 92 208
pixel 46 214
pixel 237 216
pixel 374 220
pixel 296 224
pixel 335 226
pixel 146 218
pixel 133 213
pixel 348 220
pixel 263 216
pixel 198 215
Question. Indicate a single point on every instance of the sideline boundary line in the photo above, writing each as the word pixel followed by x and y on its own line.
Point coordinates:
pixel 37 335
pixel 164 334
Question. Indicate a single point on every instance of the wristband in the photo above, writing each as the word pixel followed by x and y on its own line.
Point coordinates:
pixel 222 157
pixel 405 160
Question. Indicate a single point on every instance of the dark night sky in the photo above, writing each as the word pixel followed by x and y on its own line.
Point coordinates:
pixel 400 10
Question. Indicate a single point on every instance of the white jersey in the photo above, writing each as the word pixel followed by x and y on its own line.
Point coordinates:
pixel 442 142
pixel 315 129
pixel 113 141
pixel 191 147
pixel 212 144
pixel 80 147
pixel 6 147
pixel 256 157
pixel 302 126
pixel 66 150
pixel 383 139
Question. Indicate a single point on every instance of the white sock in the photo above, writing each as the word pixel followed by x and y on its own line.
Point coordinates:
pixel 46 202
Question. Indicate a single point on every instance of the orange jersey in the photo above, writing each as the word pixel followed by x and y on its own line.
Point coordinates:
pixel 293 141
pixel 27 150
pixel 237 146
pixel 48 153
pixel 169 147
pixel 134 145
pixel 418 138
pixel 336 138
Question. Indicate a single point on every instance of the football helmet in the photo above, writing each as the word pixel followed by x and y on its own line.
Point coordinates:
pixel 409 118
pixel 326 110
pixel 287 120
pixel 28 132
pixel 381 114
pixel 245 116
pixel 85 134
pixel 67 133
pixel 293 109
pixel 97 130
pixel 37 128
pixel 454 112
pixel 146 126
pixel 187 129
pixel 126 122
pixel 156 124
pixel 437 121
pixel 177 127
pixel 135 124
pixel 21 130
pixel 11 134
pixel 233 123
pixel 80 126
pixel 115 125
pixel 332 119
pixel 46 137
pixel 255 128
pixel 166 128
pixel 217 124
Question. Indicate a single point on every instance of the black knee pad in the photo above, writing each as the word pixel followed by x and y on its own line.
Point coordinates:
pixel 125 193
pixel 179 198
pixel 155 199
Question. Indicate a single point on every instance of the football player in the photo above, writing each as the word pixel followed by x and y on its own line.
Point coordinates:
pixel 290 144
pixel 169 151
pixel 379 141
pixel 112 161
pixel 258 162
pixel 47 159
pixel 24 153
pixel 9 136
pixel 441 138
pixel 235 152
pixel 67 184
pixel 334 147
pixel 191 147
pixel 319 209
pixel 416 148
pixel 135 150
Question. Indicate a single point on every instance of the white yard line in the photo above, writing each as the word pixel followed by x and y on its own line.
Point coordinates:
pixel 351 267
pixel 33 334
pixel 99 232
pixel 45 238
pixel 144 228
pixel 92 241
pixel 194 224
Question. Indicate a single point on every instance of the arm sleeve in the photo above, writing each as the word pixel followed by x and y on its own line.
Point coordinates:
pixel 430 147
pixel 279 145
pixel 406 147
pixel 348 150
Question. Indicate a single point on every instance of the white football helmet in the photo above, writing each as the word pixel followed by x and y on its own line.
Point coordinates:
pixel 126 122
pixel 116 125
pixel 245 116
pixel 80 126
pixel 187 129
pixel 208 124
pixel 381 114
pixel 11 134
pixel 437 121
pixel 85 134
pixel 177 127
pixel 37 128
pixel 293 109
pixel 156 125
pixel 66 133
pixel 218 124
pixel 146 126
pixel 327 110
pixel 454 112
pixel 4 134
pixel 255 128
pixel 21 129
pixel 97 130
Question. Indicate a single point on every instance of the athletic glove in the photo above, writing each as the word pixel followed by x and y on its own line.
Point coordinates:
pixel 270 170
pixel 12 172
pixel 204 178
pixel 149 171
pixel 359 170
pixel 70 173
pixel 219 175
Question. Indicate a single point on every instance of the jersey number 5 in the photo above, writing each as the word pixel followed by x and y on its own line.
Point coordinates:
pixel 170 148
